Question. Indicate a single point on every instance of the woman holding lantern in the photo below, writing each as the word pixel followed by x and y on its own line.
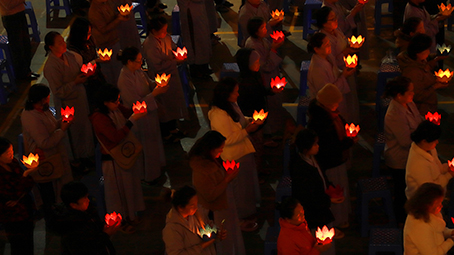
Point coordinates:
pixel 158 51
pixel 411 27
pixel 214 190
pixel 136 86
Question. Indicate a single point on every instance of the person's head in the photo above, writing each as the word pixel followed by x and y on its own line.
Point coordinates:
pixel 413 26
pixel 419 47
pixel 54 42
pixel 80 33
pixel 417 2
pixel 254 2
pixel 225 93
pixel 38 97
pixel 329 96
pixel 400 89
pixel 107 98
pixel 319 44
pixel 6 151
pixel 158 27
pixel 292 211
pixel 248 60
pixel 426 135
pixel 256 27
pixel 209 146
pixel 307 142
pixel 131 57
pixel 326 19
pixel 427 200
pixel 185 201
pixel 75 195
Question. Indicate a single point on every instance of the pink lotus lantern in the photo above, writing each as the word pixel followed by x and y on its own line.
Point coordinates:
pixel 112 219
pixel 259 116
pixel 230 166
pixel 162 80
pixel 31 161
pixel 181 54
pixel 88 69
pixel 278 82
pixel 351 61
pixel 444 76
pixel 351 130
pixel 125 10
pixel 104 55
pixel 278 36
pixel 335 192
pixel 324 235
pixel 356 42
pixel 277 14
pixel 67 114
pixel 433 117
pixel 139 107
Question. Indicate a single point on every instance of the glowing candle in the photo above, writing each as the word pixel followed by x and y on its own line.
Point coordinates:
pixel 324 235
pixel 259 115
pixel 125 9
pixel 278 36
pixel 139 107
pixel 31 161
pixel 162 80
pixel 351 61
pixel 278 82
pixel 230 166
pixel 181 54
pixel 433 117
pixel 113 218
pixel 67 114
pixel 351 130
pixel 356 42
pixel 104 55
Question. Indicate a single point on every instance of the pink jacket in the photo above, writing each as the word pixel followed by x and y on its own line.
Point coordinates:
pixel 295 240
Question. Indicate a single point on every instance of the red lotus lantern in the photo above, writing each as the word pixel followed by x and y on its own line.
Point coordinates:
pixel 230 166
pixel 162 80
pixel 362 1
pixel 433 117
pixel 278 82
pixel 324 235
pixel 125 9
pixel 451 165
pixel 356 42
pixel 351 61
pixel 351 130
pixel 67 114
pixel 88 69
pixel 104 55
pixel 181 54
pixel 444 76
pixel 112 219
pixel 139 107
pixel 335 192
pixel 259 116
pixel 31 161
pixel 277 36
pixel 445 10
pixel 277 14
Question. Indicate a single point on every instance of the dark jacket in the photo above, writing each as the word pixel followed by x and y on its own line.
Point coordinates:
pixel 252 93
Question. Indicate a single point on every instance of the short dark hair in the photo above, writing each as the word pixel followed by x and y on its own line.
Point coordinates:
pixel 204 145
pixel 49 40
pixel 321 16
pixel 157 23
pixel 182 196
pixel 418 205
pixel 71 192
pixel 221 95
pixel 242 59
pixel 316 41
pixel 287 207
pixel 129 53
pixel 106 93
pixel 253 26
pixel 398 85
pixel 36 93
pixel 426 131
pixel 410 25
pixel 4 145
pixel 305 139
pixel 418 44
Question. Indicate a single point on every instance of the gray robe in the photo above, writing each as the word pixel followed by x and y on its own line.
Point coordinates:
pixel 127 30
pixel 137 87
pixel 430 25
pixel 61 73
pixel 247 11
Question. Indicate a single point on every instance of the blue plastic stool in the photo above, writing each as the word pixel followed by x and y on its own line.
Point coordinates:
pixel 309 6
pixel 52 5
pixel 272 233
pixel 304 100
pixel 31 22
pixel 382 105
pixel 379 147
pixel 369 189
pixel 379 15
pixel 230 70
pixel 139 8
pixel 176 27
pixel 385 240
pixel 6 67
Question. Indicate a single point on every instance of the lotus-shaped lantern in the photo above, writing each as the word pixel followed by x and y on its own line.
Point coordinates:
pixel 278 82
pixel 259 116
pixel 139 107
pixel 67 114
pixel 335 192
pixel 444 76
pixel 181 54
pixel 443 50
pixel 277 14
pixel 433 117
pixel 363 1
pixel 125 9
pixel 351 130
pixel 113 218
pixel 229 166
pixel 278 36
pixel 356 42
pixel 31 161
pixel 351 61
pixel 104 55
pixel 451 165
pixel 324 235
pixel 162 80
pixel 88 69
pixel 445 10
pixel 208 233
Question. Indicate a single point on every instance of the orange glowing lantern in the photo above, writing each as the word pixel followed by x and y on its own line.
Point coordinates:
pixel 351 61
pixel 31 161
pixel 259 116
pixel 67 114
pixel 451 165
pixel 162 80
pixel 335 192
pixel 444 76
pixel 351 130
pixel 434 118
pixel 112 219
pixel 445 10
pixel 104 55
pixel 125 9
pixel 278 36
pixel 356 42
pixel 88 69
pixel 277 14
pixel 363 1
pixel 181 54
pixel 139 107
pixel 324 235
pixel 278 82
pixel 230 166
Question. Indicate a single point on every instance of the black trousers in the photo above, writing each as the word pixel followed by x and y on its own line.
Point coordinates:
pixel 399 194
pixel 20 236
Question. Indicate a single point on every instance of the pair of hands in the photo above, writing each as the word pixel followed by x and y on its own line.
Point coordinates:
pixel 110 230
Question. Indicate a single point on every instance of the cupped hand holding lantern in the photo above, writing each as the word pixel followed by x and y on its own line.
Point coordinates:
pixel 113 222
pixel 278 38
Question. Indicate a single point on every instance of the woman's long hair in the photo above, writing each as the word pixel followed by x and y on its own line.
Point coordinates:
pixel 78 34
pixel 206 144
pixel 419 204
pixel 222 92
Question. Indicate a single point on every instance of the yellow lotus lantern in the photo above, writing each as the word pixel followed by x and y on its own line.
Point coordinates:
pixel 443 50
pixel 104 55
pixel 162 80
pixel 445 10
pixel 351 61
pixel 444 76
pixel 125 10
pixel 31 161
pixel 277 14
pixel 356 42
pixel 259 116
pixel 324 235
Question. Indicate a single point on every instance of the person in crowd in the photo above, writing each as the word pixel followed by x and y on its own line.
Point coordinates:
pixel 425 231
pixel 16 204
pixel 129 34
pixel 112 122
pixel 66 82
pixel 158 51
pixel 183 225
pixel 401 119
pixel 136 86
pixel 416 65
pixel 323 70
pixel 325 119
pixel 82 231
pixel 214 190
pixel 345 18
pixel 226 117
pixel 411 27
pixel 295 236
pixel 44 135
pixel 423 164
